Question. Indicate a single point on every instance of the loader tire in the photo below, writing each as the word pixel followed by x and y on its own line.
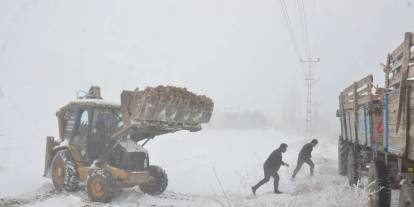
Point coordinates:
pixel 380 184
pixel 100 186
pixel 342 157
pixel 406 194
pixel 159 182
pixel 64 173
pixel 352 167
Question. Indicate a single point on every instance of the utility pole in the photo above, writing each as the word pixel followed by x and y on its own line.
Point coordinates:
pixel 309 82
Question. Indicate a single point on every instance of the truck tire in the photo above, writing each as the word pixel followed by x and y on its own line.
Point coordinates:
pixel 406 194
pixel 158 184
pixel 352 167
pixel 380 184
pixel 64 173
pixel 100 186
pixel 342 155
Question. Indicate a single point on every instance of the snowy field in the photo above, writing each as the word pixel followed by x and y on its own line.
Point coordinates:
pixel 208 168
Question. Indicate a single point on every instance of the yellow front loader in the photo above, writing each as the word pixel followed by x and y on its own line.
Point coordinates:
pixel 101 144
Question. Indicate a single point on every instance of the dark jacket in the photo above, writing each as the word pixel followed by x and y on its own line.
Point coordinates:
pixel 306 151
pixel 274 161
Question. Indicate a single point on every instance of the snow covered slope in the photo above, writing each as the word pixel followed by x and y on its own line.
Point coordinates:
pixel 196 164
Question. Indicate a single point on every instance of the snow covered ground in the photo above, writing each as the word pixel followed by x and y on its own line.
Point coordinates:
pixel 208 168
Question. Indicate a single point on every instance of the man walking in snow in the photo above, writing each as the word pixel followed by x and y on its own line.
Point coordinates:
pixel 270 167
pixel 305 155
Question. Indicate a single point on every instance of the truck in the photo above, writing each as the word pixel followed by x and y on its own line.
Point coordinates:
pixel 377 130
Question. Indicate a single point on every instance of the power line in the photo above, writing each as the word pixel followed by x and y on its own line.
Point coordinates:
pixel 288 23
pixel 304 24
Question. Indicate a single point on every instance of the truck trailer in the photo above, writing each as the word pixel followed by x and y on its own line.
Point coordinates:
pixel 377 129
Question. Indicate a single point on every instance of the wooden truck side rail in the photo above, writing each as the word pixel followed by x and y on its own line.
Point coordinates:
pixel 398 69
pixel 361 91
pixel 356 103
pixel 399 61
pixel 400 142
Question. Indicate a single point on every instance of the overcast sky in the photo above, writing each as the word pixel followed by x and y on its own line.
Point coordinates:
pixel 236 51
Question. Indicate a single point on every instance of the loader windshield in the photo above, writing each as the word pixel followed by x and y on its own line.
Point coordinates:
pixel 105 123
pixel 106 120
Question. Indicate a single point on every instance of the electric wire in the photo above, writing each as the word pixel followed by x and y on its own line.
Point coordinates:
pixel 304 26
pixel 288 23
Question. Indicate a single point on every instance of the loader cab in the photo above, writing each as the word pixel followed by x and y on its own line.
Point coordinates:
pixel 88 129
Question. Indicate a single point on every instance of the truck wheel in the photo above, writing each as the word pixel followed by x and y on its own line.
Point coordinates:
pixel 352 167
pixel 64 173
pixel 159 182
pixel 100 186
pixel 380 184
pixel 342 155
pixel 406 194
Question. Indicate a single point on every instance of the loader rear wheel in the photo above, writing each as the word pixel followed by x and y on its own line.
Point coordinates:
pixel 406 194
pixel 352 167
pixel 100 186
pixel 342 155
pixel 64 173
pixel 159 182
pixel 380 184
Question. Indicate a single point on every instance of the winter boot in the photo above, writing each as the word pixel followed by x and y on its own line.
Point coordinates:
pixel 254 190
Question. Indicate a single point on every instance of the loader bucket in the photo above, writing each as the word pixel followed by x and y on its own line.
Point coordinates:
pixel 165 103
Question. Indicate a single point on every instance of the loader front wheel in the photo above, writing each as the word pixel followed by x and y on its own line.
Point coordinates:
pixel 380 184
pixel 100 186
pixel 159 182
pixel 64 173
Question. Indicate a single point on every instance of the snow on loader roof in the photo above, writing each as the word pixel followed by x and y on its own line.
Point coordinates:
pixel 96 102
